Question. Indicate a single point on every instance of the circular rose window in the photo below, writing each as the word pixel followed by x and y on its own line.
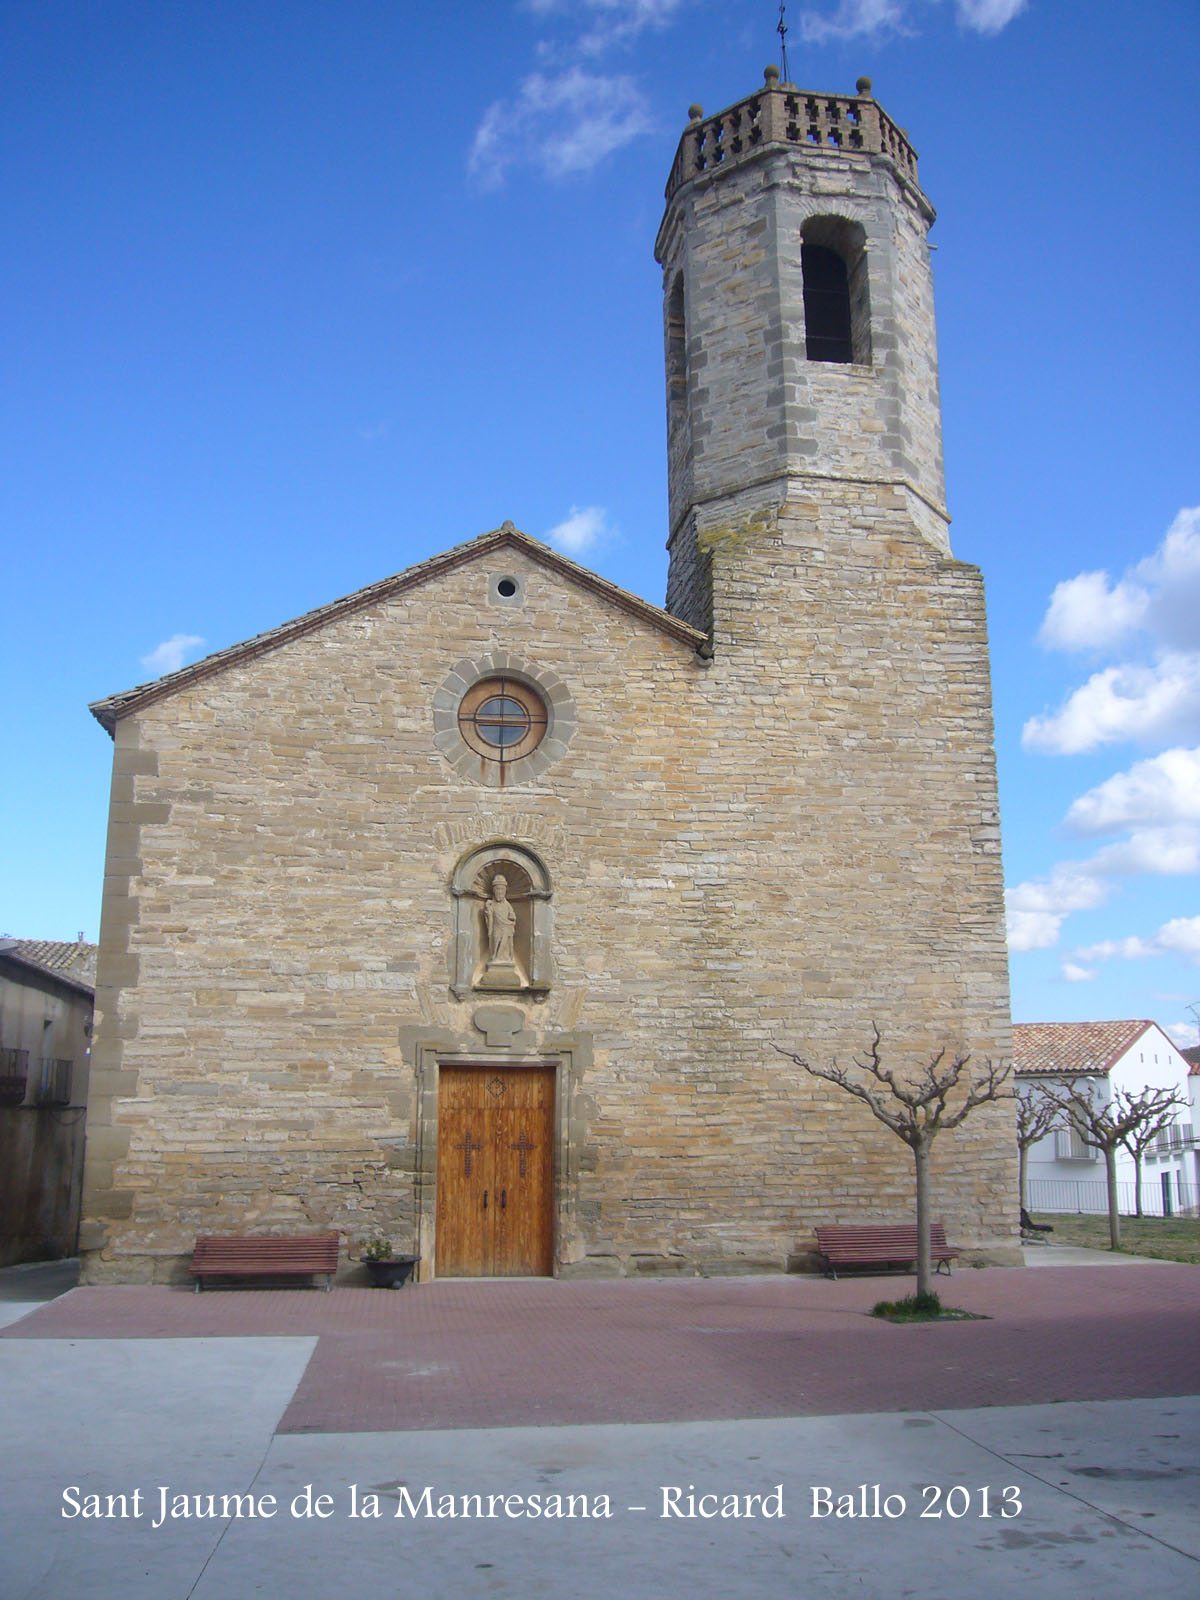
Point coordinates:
pixel 502 719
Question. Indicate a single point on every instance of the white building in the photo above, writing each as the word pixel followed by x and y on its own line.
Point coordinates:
pixel 1065 1174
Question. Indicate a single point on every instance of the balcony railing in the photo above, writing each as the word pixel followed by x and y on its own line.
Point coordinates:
pixel 14 1076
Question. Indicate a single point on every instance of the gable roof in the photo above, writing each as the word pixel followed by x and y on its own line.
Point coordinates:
pixel 1073 1048
pixel 71 961
pixel 108 712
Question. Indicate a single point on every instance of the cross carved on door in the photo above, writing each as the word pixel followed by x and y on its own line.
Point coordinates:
pixel 468 1146
pixel 523 1147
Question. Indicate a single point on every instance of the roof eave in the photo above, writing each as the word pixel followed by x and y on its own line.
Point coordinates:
pixel 42 971
pixel 109 711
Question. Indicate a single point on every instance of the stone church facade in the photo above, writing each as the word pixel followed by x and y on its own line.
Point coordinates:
pixel 469 910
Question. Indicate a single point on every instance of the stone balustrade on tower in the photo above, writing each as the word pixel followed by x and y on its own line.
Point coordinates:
pixel 782 114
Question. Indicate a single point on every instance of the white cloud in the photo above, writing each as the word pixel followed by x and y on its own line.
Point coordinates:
pixel 613 22
pixel 168 656
pixel 1160 596
pixel 1153 610
pixel 567 119
pixel 1074 974
pixel 1146 704
pixel 582 530
pixel 1036 909
pixel 1183 1035
pixel 853 18
pixel 563 125
pixel 988 16
pixel 1087 614
pixel 631 15
pixel 1157 793
pixel 1171 577
pixel 1179 937
pixel 1162 852
pixel 1182 936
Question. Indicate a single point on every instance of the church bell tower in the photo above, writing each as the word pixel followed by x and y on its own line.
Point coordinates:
pixel 798 300
pixel 847 668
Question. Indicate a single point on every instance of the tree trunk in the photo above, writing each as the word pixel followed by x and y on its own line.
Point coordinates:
pixel 1022 1162
pixel 1114 1216
pixel 924 1276
pixel 1137 1179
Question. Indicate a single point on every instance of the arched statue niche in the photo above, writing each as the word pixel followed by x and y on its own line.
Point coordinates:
pixel 501 922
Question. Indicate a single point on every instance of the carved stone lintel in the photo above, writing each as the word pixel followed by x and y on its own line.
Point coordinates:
pixel 499 1024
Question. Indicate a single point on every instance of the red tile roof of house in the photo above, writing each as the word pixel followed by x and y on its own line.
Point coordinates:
pixel 1073 1047
pixel 72 959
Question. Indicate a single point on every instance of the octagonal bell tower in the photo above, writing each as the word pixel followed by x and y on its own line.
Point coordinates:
pixel 800 341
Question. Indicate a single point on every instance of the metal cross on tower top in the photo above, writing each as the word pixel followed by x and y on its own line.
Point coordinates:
pixel 781 30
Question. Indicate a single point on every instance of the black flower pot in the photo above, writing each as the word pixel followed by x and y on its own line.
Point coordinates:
pixel 392 1273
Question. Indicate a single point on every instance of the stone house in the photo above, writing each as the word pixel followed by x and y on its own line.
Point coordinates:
pixel 468 910
pixel 46 1001
pixel 1065 1174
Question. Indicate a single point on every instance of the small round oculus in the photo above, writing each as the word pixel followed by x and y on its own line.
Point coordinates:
pixel 502 719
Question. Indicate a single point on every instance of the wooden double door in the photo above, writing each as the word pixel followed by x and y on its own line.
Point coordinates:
pixel 495 1179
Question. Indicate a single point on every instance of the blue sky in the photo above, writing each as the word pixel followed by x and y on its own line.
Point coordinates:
pixel 301 293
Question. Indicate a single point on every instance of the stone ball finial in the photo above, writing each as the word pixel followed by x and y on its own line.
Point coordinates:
pixel 771 76
pixel 864 88
pixel 695 113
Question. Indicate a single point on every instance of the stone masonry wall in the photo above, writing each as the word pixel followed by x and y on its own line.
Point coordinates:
pixel 779 846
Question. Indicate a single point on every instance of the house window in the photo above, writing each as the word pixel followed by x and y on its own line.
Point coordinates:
pixel 54 1082
pixel 1069 1146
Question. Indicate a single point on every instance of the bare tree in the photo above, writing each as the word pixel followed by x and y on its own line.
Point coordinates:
pixel 1139 1139
pixel 1104 1124
pixel 1036 1117
pixel 916 1110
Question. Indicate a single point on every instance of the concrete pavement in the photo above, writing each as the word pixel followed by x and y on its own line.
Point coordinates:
pixel 1106 1487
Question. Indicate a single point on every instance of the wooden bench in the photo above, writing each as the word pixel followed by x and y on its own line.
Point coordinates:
pixel 880 1245
pixel 263 1255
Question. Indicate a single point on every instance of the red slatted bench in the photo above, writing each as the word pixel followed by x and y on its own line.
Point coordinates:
pixel 880 1245
pixel 263 1255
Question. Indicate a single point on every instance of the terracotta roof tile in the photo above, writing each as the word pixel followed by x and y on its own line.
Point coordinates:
pixel 1073 1047
pixel 72 959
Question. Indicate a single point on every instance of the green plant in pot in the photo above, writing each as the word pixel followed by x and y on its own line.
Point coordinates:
pixel 386 1270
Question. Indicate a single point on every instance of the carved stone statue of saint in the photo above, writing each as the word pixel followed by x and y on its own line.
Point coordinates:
pixel 501 922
